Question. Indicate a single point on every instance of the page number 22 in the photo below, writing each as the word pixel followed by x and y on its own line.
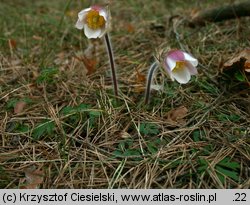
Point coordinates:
pixel 240 197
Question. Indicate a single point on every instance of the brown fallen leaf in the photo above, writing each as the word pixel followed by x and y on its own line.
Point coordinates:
pixel 247 66
pixel 20 105
pixel 90 64
pixel 130 28
pixel 240 60
pixel 90 56
pixel 240 63
pixel 33 178
pixel 140 78
pixel 177 115
pixel 12 43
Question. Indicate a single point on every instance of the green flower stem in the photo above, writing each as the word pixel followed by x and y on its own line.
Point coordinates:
pixel 112 63
pixel 151 71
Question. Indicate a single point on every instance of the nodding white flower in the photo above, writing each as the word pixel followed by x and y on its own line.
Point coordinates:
pixel 180 65
pixel 94 21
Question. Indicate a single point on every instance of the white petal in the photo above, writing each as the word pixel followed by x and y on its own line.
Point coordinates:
pixel 191 68
pixel 103 13
pixel 171 77
pixel 90 33
pixel 181 75
pixel 167 69
pixel 171 63
pixel 83 13
pixel 103 32
pixel 191 59
pixel 79 24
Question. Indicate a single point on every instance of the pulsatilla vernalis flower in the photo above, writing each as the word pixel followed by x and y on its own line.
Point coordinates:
pixel 94 21
pixel 180 65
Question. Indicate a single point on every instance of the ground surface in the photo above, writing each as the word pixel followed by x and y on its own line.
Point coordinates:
pixel 61 128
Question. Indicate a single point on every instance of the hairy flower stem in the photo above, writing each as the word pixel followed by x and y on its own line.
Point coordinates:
pixel 112 63
pixel 151 71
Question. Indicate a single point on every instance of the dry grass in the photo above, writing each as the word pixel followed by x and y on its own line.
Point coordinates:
pixel 90 140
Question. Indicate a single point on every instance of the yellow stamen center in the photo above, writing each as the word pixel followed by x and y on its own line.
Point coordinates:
pixel 94 20
pixel 179 66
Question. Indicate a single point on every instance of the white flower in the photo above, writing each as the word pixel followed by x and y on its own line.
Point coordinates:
pixel 94 21
pixel 180 65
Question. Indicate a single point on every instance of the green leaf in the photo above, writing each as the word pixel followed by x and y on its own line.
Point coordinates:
pixel 129 143
pixel 125 149
pixel 152 148
pixel 175 163
pixel 94 113
pixel 203 161
pixel 240 76
pixel 232 117
pixel 77 109
pixel 12 103
pixel 68 110
pixel 118 153
pixel 131 152
pixel 203 165
pixel 227 164
pixel 23 128
pixel 83 107
pixel 93 116
pixel 202 169
pixel 231 174
pixel 47 75
pixel 149 129
pixel 206 86
pixel 206 150
pixel 196 135
pixel 221 177
pixel 121 146
pixel 27 100
pixel 125 144
pixel 45 128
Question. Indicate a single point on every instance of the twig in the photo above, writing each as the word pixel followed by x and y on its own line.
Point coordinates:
pixel 221 13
